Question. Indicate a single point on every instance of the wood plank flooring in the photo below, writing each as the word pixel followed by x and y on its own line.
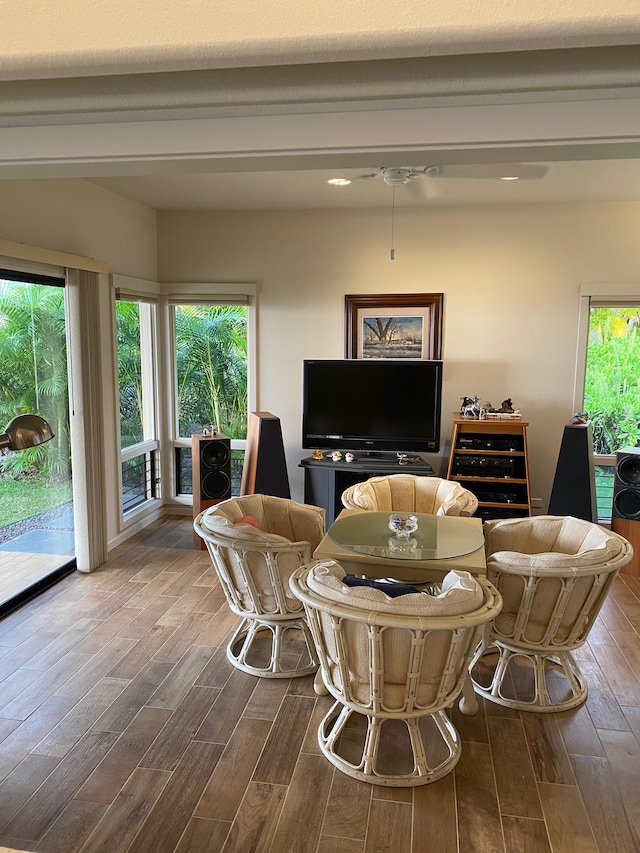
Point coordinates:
pixel 124 728
pixel 19 570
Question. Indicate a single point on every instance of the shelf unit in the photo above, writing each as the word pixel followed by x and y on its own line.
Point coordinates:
pixel 489 457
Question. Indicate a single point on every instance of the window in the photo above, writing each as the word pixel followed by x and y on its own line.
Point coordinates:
pixel 136 325
pixel 211 379
pixel 36 496
pixel 611 384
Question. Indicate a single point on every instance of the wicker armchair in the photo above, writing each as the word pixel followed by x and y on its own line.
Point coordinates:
pixel 256 543
pixel 388 661
pixel 411 493
pixel 553 574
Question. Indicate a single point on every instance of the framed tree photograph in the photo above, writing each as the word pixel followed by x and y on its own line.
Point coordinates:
pixel 395 325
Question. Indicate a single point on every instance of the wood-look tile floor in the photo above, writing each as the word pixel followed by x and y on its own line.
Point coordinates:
pixel 124 728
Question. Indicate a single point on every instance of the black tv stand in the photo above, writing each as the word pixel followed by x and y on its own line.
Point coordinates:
pixel 326 480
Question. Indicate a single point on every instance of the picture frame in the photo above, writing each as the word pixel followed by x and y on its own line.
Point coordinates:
pixel 394 325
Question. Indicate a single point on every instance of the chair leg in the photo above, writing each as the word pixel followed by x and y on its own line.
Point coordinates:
pixel 542 702
pixel 333 725
pixel 247 633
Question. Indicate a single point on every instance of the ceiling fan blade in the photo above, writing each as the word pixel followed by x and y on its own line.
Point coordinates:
pixel 480 171
pixel 422 188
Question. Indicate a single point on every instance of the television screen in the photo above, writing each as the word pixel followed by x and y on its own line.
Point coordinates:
pixel 372 405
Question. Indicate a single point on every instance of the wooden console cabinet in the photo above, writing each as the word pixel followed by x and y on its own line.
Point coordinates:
pixel 489 458
pixel 326 480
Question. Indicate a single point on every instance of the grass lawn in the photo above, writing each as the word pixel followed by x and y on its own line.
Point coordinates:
pixel 23 498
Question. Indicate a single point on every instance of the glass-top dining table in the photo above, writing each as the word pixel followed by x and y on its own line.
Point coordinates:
pixel 363 544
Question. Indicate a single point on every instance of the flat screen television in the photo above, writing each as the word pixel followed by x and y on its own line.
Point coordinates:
pixel 372 405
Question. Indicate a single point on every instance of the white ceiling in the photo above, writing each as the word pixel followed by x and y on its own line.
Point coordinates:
pixel 572 181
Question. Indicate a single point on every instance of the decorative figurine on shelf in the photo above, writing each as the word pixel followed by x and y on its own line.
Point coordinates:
pixel 580 418
pixel 471 407
pixel 317 454
pixel 489 408
pixel 507 405
pixel 336 455
pixel 349 457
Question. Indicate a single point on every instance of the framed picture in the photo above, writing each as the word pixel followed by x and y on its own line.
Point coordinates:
pixel 394 325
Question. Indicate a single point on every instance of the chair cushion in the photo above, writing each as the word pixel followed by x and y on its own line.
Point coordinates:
pixel 411 493
pixel 219 524
pixel 286 519
pixel 550 542
pixel 460 594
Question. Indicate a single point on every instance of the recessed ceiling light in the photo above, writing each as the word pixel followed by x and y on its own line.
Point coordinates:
pixel 339 182
pixel 509 178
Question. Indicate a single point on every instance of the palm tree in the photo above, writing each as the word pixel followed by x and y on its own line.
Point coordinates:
pixel 211 354
pixel 33 370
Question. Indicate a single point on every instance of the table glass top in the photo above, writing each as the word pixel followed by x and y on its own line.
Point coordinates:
pixel 438 537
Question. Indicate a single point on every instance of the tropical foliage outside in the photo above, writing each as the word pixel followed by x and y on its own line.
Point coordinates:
pixel 211 351
pixel 33 378
pixel 211 369
pixel 129 372
pixel 211 356
pixel 612 386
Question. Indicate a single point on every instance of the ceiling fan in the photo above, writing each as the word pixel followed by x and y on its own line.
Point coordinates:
pixel 399 176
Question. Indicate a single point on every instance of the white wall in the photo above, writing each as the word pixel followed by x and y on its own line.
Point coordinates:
pixel 77 217
pixel 510 278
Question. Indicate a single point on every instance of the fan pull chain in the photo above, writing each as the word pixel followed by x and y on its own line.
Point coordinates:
pixel 392 253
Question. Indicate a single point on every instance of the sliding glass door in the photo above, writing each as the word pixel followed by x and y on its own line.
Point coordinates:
pixel 36 508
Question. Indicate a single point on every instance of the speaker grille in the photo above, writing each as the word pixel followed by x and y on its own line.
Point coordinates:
pixel 215 454
pixel 626 504
pixel 215 484
pixel 629 470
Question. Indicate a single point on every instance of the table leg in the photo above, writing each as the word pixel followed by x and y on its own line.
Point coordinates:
pixel 468 704
pixel 318 684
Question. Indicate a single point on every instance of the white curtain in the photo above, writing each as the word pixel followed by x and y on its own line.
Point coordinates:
pixel 86 418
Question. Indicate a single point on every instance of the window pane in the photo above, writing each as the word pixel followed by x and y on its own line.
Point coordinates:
pixel 138 480
pixel 612 384
pixel 36 500
pixel 604 475
pixel 129 372
pixel 211 368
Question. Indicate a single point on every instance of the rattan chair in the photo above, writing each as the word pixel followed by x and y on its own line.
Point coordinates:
pixel 392 661
pixel 411 493
pixel 553 574
pixel 256 542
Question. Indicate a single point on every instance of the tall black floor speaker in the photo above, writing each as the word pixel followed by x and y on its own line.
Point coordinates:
pixel 625 512
pixel 574 484
pixel 265 468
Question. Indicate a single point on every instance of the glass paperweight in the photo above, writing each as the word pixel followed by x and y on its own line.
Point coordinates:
pixel 403 525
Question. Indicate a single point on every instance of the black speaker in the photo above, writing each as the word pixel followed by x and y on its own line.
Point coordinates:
pixel 265 467
pixel 574 484
pixel 211 472
pixel 626 485
pixel 625 512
